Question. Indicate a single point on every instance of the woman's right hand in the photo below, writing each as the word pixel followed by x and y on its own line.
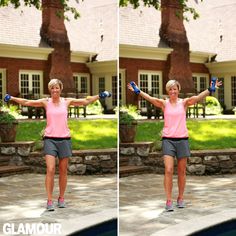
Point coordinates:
pixel 7 98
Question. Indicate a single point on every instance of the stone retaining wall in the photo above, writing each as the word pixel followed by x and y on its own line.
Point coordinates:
pixel 200 163
pixel 82 162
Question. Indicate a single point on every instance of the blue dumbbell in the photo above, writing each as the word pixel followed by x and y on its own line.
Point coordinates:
pixel 105 94
pixel 213 84
pixel 135 88
pixel 7 98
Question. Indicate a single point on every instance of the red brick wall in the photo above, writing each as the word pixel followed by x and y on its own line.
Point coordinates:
pixel 79 68
pixel 13 66
pixel 132 66
pixel 198 68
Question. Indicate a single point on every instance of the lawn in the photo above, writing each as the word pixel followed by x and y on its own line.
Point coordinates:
pixel 86 134
pixel 204 134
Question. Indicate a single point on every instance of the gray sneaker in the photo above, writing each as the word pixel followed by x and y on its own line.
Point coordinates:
pixel 50 206
pixel 61 203
pixel 169 206
pixel 180 203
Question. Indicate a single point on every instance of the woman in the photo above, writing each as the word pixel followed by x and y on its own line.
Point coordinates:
pixel 174 135
pixel 57 141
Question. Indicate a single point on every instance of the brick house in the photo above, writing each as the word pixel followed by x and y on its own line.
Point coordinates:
pixel 144 56
pixel 36 46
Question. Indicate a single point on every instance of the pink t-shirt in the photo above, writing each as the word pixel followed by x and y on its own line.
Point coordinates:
pixel 57 126
pixel 175 120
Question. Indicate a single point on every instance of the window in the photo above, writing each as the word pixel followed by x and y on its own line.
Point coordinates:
pixel 151 83
pixel 31 83
pixel 114 91
pixel 195 83
pixel 203 84
pixel 122 87
pixel 233 90
pixel 81 83
pixel 101 84
pixel 200 82
pixel 221 93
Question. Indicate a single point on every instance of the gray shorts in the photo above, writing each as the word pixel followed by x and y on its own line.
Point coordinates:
pixel 176 147
pixel 57 147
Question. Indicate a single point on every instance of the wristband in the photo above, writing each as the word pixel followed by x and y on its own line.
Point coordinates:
pixel 213 84
pixel 209 89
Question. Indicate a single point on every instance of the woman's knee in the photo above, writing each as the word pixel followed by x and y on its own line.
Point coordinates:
pixel 63 165
pixel 51 170
pixel 182 172
pixel 169 170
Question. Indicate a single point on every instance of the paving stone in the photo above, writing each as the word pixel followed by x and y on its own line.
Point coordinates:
pixel 23 198
pixel 142 201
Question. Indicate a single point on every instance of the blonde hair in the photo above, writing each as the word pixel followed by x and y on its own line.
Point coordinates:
pixel 172 83
pixel 54 82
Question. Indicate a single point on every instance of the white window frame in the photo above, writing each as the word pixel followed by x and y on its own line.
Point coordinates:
pixel 199 76
pixel 149 74
pixel 122 87
pixel 79 76
pixel 3 72
pixel 31 73
pixel 233 91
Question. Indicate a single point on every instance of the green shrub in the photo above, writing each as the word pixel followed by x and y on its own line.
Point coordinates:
pixel 94 108
pixel 6 117
pixel 128 114
pixel 11 109
pixel 213 106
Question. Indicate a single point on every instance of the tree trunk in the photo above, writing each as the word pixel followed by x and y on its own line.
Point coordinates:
pixel 173 33
pixel 53 32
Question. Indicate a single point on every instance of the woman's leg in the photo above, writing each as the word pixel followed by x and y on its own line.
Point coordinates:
pixel 63 164
pixel 49 181
pixel 168 179
pixel 182 162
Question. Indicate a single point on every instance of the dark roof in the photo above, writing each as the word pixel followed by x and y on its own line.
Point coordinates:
pixel 213 32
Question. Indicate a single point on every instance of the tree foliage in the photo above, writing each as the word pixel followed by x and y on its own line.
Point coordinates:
pixel 38 5
pixel 157 5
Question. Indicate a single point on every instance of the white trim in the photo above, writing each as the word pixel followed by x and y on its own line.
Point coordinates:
pixel 149 73
pixel 198 75
pixel 24 52
pixel 3 71
pixel 123 86
pixel 102 67
pixel 30 73
pixel 141 52
pixel 222 67
pixel 82 57
pixel 79 77
pixel 200 57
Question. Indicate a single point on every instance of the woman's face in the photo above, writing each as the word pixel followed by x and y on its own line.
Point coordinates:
pixel 173 92
pixel 55 91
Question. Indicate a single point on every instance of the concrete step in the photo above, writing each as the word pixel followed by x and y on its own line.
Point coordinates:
pixel 4 160
pixel 12 170
pixel 124 161
pixel 133 170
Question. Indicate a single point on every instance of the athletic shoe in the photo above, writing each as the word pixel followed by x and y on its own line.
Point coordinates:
pixel 61 202
pixel 180 203
pixel 169 205
pixel 50 206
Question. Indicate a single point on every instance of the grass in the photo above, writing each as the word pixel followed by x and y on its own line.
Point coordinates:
pixel 204 134
pixel 85 134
